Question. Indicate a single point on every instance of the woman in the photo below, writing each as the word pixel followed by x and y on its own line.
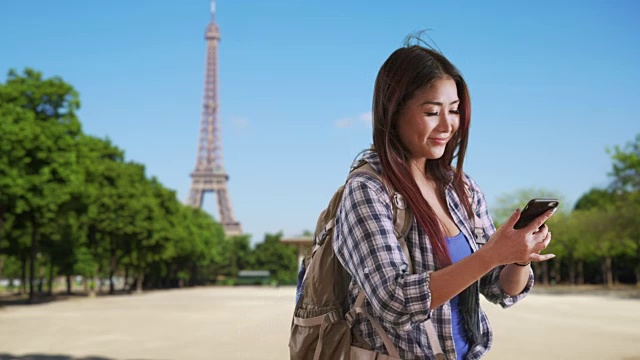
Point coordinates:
pixel 421 117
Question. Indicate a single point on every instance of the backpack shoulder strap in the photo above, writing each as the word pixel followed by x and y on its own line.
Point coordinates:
pixel 476 222
pixel 358 309
pixel 402 220
pixel 402 216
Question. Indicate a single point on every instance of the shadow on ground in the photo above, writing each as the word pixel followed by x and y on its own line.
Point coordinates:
pixel 22 299
pixel 4 356
pixel 13 300
pixel 620 291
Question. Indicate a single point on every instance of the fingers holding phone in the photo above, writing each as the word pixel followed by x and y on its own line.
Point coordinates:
pixel 539 234
pixel 533 220
pixel 524 235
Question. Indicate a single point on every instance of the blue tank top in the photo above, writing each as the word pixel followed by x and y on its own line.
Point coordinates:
pixel 458 250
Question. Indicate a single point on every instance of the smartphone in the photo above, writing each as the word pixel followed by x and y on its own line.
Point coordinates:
pixel 533 209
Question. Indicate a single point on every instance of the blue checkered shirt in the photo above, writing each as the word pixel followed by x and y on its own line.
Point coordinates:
pixel 365 244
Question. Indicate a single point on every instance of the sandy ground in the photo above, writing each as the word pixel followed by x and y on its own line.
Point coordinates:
pixel 253 323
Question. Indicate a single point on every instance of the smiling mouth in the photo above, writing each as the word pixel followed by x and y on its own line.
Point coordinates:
pixel 439 140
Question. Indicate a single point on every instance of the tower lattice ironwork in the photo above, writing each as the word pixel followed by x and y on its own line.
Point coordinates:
pixel 209 174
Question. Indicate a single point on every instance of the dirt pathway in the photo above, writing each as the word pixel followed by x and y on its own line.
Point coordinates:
pixel 253 323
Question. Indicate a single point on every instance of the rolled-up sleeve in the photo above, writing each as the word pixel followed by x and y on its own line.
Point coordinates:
pixel 490 283
pixel 491 289
pixel 366 246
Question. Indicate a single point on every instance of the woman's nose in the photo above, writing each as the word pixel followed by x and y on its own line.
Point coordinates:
pixel 446 122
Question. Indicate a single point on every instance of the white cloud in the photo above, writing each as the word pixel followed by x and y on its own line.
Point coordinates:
pixel 344 123
pixel 363 118
pixel 366 117
pixel 239 122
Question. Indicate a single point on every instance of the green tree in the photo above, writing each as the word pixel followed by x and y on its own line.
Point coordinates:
pixel 199 247
pixel 626 223
pixel 570 245
pixel 102 164
pixel 71 205
pixel 626 184
pixel 237 255
pixel 16 235
pixel 596 198
pixel 134 222
pixel 626 166
pixel 39 140
pixel 278 258
pixel 598 227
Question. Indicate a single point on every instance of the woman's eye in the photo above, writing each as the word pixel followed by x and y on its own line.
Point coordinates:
pixel 431 113
pixel 456 111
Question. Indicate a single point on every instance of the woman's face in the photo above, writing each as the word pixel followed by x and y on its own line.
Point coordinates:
pixel 429 120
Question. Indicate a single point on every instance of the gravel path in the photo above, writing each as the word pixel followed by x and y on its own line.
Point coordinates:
pixel 253 323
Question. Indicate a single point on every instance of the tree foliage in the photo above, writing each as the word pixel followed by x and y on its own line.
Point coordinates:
pixel 71 204
pixel 601 233
pixel 506 204
pixel 626 166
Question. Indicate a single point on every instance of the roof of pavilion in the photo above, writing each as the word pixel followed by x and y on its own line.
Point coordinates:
pixel 298 240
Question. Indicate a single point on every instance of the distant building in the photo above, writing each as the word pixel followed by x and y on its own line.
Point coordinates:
pixel 302 243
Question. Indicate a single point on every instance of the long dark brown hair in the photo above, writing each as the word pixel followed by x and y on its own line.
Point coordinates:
pixel 406 71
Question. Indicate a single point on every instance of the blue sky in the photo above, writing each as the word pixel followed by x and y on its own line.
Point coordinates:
pixel 552 85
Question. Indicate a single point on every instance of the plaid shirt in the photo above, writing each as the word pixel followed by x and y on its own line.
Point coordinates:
pixel 365 244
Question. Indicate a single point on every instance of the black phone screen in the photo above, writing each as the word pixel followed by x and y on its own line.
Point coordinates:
pixel 533 209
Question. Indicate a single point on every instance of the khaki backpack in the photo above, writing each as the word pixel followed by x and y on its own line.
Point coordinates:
pixel 323 317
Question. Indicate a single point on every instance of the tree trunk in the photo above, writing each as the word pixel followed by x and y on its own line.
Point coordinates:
pixel 572 271
pixel 194 275
pixel 93 288
pixel 557 275
pixel 69 284
pixel 166 282
pixel 90 289
pixel 3 209
pixel 41 274
pixel 607 271
pixel 112 267
pixel 23 280
pixel 32 259
pixel 139 281
pixel 174 277
pixel 1 265
pixel 637 269
pixel 545 272
pixel 50 288
pixel 580 272
pixel 112 289
pixel 126 278
pixel 98 279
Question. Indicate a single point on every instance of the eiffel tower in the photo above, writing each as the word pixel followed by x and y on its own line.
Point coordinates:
pixel 209 174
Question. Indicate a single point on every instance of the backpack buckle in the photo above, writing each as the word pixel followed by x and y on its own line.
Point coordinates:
pixel 320 237
pixel 333 317
pixel 325 231
pixel 479 234
pixel 350 317
pixel 398 200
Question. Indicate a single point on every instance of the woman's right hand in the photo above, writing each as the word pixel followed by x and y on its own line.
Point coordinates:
pixel 508 245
